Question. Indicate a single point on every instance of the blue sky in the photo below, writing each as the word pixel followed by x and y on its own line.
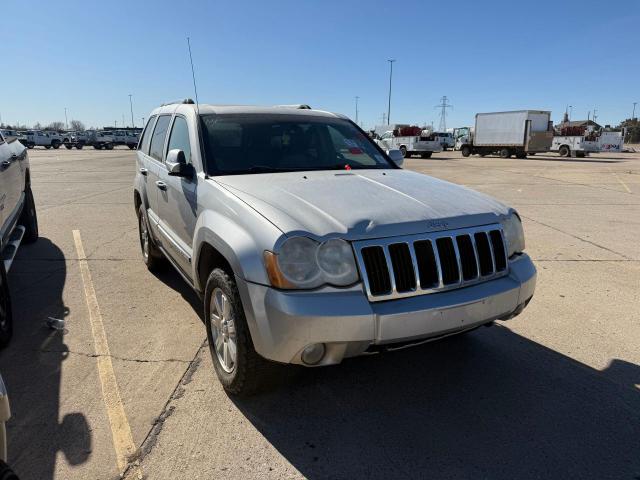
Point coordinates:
pixel 485 55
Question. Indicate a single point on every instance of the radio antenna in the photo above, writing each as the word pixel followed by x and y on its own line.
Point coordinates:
pixel 195 88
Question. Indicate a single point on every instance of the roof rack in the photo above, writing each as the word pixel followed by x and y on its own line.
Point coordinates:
pixel 300 106
pixel 186 101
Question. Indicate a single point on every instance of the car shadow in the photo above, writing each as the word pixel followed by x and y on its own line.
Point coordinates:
pixel 489 404
pixel 31 366
pixel 170 277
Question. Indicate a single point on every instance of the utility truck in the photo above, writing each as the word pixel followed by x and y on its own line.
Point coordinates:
pixel 409 139
pixel 576 141
pixel 515 133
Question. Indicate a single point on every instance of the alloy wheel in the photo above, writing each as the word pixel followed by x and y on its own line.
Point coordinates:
pixel 223 330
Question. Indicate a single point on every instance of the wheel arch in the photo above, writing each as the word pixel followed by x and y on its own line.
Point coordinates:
pixel 230 247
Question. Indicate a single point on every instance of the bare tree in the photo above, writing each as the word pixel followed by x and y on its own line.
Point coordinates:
pixel 55 126
pixel 77 125
pixel 37 126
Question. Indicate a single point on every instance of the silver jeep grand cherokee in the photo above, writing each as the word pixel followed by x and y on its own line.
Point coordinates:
pixel 310 244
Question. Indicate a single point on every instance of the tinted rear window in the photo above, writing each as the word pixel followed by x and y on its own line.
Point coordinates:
pixel 159 134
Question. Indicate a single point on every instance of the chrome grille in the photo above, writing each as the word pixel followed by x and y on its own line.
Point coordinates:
pixel 420 264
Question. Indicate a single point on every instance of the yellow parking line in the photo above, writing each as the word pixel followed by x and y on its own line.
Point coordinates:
pixel 622 183
pixel 120 429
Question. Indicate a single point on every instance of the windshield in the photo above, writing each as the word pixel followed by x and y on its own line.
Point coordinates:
pixel 259 143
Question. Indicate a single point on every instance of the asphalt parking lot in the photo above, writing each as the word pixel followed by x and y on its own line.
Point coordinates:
pixel 554 393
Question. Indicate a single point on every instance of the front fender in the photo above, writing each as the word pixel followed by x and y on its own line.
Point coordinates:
pixel 233 242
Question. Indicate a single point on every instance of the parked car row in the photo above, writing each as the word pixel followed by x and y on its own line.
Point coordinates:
pixel 99 139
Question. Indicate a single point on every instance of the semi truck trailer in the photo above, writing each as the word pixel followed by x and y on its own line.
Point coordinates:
pixel 515 133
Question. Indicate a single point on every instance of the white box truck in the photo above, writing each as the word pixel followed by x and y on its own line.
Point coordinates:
pixel 509 133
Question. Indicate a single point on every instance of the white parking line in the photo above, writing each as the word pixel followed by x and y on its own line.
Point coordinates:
pixel 120 429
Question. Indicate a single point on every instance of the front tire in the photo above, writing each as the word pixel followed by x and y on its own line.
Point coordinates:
pixel 564 151
pixel 239 368
pixel 29 218
pixel 68 146
pixel 56 144
pixel 151 255
pixel 466 151
pixel 404 151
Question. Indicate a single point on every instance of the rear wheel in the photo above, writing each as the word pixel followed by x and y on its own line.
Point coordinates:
pixel 47 147
pixel 55 144
pixel 505 153
pixel 403 149
pixel 79 146
pixel 131 147
pixel 426 154
pixel 521 155
pixel 238 366
pixel 564 151
pixel 109 146
pixel 28 218
pixel 151 255
pixel 465 150
pixel 30 145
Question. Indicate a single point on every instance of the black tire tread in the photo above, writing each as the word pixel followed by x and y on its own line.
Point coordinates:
pixel 155 262
pixel 29 218
pixel 253 373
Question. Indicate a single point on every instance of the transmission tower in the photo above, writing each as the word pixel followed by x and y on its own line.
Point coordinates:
pixel 444 104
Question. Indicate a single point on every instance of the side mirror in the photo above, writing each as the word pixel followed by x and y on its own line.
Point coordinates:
pixel 396 157
pixel 177 164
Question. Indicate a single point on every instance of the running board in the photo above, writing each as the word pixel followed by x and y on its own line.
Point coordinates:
pixel 11 249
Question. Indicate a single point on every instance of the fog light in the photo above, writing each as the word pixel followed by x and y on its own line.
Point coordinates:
pixel 313 353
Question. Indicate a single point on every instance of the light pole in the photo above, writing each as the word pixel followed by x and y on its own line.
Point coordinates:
pixel 633 115
pixel 66 122
pixel 390 76
pixel 142 122
pixel 570 111
pixel 357 97
pixel 133 124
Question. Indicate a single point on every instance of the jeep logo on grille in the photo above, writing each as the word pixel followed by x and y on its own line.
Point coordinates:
pixel 437 224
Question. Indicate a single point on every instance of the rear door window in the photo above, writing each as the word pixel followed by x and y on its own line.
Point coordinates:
pixel 159 134
pixel 145 139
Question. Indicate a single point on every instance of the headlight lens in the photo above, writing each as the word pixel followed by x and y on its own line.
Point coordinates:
pixel 305 263
pixel 513 233
pixel 335 259
pixel 297 262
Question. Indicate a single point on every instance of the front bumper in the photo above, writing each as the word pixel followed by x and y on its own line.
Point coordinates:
pixel 283 323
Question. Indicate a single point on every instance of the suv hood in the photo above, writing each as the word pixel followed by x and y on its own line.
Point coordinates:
pixel 362 203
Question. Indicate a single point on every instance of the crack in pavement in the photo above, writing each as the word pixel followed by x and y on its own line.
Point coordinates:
pixel 577 237
pixel 152 436
pixel 115 357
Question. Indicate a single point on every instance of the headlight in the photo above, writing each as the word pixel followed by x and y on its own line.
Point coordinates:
pixel 513 233
pixel 305 263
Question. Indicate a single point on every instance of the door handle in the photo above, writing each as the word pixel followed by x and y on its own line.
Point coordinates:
pixel 6 163
pixel 13 156
pixel 144 171
pixel 161 185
